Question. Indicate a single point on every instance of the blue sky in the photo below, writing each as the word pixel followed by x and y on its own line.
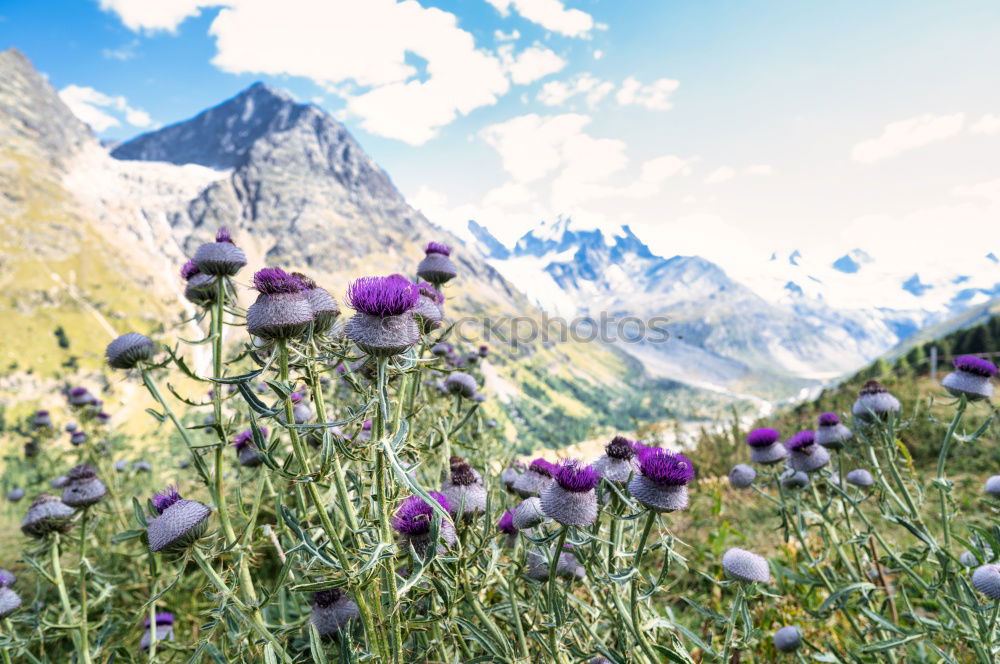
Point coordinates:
pixel 726 129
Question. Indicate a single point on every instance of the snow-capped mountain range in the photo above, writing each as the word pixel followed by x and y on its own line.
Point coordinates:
pixel 777 329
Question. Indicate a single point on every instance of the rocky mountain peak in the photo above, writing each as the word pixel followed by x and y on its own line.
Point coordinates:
pixel 222 136
pixel 31 113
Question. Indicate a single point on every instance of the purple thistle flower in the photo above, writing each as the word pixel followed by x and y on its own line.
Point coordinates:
pixel 621 447
pixel 665 468
pixel 128 350
pixel 828 420
pixel 800 441
pixel 975 365
pixel 189 270
pixel 166 498
pixel 244 438
pixel 428 291
pixel 78 391
pixel 506 523
pixel 382 296
pixel 223 235
pixel 763 437
pixel 274 280
pixel 874 401
pixel 437 248
pixel 971 377
pixel 576 477
pixel 221 258
pixel 413 518
pixel 295 397
pixel 162 618
pixel 543 467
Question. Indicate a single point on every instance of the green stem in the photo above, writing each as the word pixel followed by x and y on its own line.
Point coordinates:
pixel 6 651
pixel 515 616
pixel 82 653
pixel 634 585
pixel 737 606
pixel 84 639
pixel 942 460
pixel 218 322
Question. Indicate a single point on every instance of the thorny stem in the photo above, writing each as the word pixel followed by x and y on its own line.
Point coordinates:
pixel 634 585
pixel 730 626
pixel 81 649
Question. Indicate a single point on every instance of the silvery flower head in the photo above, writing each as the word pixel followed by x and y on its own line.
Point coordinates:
pixel 429 309
pixel 461 383
pixel 874 402
pixel 221 258
pixel 483 350
pixel 787 639
pixel 436 267
pixel 765 447
pixel 793 480
pixel 661 484
pixel 301 412
pixel 41 420
pixel 128 350
pixel 7 578
pixel 534 480
pixel 746 566
pixel 245 448
pixel 804 454
pixel 971 377
pixel 10 601
pixel 992 486
pixel 199 288
pixel 968 559
pixel 570 499
pixel 332 611
pixel 324 308
pixel 831 433
pixel 413 521
pixel 179 525
pixel 567 566
pixel 528 513
pixel 440 349
pixel 619 462
pixel 47 514
pixel 59 482
pixel 15 494
pixel 121 465
pixel 741 476
pixel 163 628
pixel 384 324
pixel 986 579
pixel 281 310
pixel 80 396
pixel 142 467
pixel 464 489
pixel 77 438
pixel 860 477
pixel 510 474
pixel 84 487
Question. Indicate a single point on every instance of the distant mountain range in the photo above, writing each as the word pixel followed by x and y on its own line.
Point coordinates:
pixel 92 243
pixel 787 328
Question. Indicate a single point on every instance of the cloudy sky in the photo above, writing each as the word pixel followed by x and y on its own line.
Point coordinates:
pixel 725 129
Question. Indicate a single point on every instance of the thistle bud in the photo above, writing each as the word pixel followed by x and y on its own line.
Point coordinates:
pixel 528 513
pixel 860 477
pixel 464 490
pixel 971 377
pixel 741 476
pixel 788 639
pixel 986 579
pixel 179 525
pixel 570 499
pixel 129 350
pixel 805 455
pixel 413 522
pixel 281 310
pixel 221 258
pixel 874 403
pixel 618 463
pixel 163 628
pixel 533 481
pixel 332 610
pixel 461 383
pixel 764 446
pixel 47 514
pixel 436 267
pixel 84 487
pixel 746 566
pixel 831 434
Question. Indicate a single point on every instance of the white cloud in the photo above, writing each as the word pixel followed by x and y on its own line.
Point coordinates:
pixel 760 169
pixel 95 108
pixel 989 124
pixel 721 174
pixel 153 15
pixel 557 93
pixel 304 38
pixel 908 134
pixel 501 36
pixel 990 190
pixel 531 64
pixel 667 166
pixel 598 54
pixel 550 14
pixel 530 146
pixel 123 53
pixel 654 96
